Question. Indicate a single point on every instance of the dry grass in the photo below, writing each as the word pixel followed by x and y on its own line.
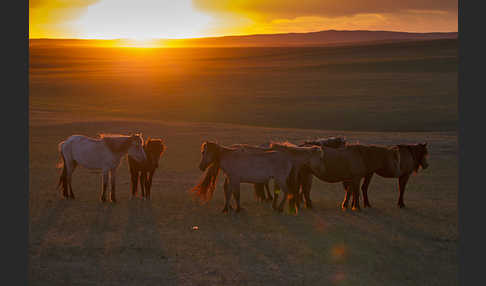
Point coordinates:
pixel 85 242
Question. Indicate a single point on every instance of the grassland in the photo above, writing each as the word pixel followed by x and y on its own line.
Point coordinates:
pixel 388 87
pixel 380 95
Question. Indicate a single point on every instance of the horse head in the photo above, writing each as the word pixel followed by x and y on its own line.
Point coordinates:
pixel 136 147
pixel 209 154
pixel 154 148
pixel 423 155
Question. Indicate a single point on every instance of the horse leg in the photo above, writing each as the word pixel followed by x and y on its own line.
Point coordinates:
pixel 402 182
pixel 259 192
pixel 134 179
pixel 235 188
pixel 347 187
pixel 113 185
pixel 275 195
pixel 306 183
pixel 104 183
pixel 364 189
pixel 269 194
pixel 227 196
pixel 285 191
pixel 355 191
pixel 149 184
pixel 143 184
pixel 70 179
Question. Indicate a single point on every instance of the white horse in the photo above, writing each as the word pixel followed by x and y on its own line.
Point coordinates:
pixel 102 153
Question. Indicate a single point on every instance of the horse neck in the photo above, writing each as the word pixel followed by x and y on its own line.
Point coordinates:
pixel 415 156
pixel 221 153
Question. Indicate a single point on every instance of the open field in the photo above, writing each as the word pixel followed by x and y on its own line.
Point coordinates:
pixel 388 87
pixel 382 94
pixel 84 242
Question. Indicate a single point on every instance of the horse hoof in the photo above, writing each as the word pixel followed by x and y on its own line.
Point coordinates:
pixel 402 205
pixel 225 210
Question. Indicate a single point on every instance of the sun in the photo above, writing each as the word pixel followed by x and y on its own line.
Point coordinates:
pixel 141 20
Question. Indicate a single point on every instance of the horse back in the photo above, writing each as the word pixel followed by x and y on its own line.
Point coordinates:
pixel 342 164
pixel 256 167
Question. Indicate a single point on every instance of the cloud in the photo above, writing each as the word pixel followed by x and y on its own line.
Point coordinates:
pixel 283 16
pixel 51 18
pixel 275 9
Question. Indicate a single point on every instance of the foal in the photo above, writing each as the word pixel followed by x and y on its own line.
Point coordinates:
pixel 154 149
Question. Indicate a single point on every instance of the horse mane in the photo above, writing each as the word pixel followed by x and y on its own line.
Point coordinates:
pixel 292 148
pixel 248 148
pixel 117 143
pixel 205 189
pixel 332 142
pixel 417 155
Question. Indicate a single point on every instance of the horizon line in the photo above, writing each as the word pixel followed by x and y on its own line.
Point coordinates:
pixel 244 35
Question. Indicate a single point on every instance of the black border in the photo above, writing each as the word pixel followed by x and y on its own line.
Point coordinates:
pixel 15 173
pixel 471 194
pixel 14 209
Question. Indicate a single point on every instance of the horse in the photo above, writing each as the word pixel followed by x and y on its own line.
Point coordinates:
pixel 349 164
pixel 310 158
pixel 144 171
pixel 103 153
pixel 260 189
pixel 412 157
pixel 331 142
pixel 242 167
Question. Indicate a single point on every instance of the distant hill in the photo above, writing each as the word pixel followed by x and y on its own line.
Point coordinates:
pixel 322 38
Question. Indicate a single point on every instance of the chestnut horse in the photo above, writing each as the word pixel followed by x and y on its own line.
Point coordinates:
pixel 349 165
pixel 144 171
pixel 412 157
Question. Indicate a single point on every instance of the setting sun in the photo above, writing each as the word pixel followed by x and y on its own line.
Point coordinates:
pixel 150 19
pixel 141 20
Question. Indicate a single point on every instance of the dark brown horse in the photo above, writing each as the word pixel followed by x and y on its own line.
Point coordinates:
pixel 331 142
pixel 349 165
pixel 144 171
pixel 412 157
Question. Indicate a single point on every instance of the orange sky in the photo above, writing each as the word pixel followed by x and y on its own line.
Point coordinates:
pixel 145 19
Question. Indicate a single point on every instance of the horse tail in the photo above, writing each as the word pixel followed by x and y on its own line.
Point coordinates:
pixel 293 181
pixel 205 189
pixel 63 183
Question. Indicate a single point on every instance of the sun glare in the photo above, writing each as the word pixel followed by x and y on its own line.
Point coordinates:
pixel 141 21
